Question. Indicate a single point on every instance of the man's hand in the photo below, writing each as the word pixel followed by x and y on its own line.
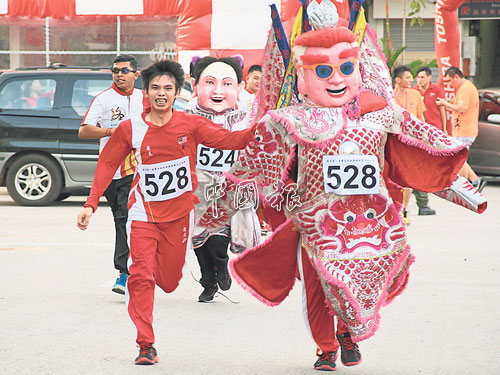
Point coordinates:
pixel 84 217
pixel 441 101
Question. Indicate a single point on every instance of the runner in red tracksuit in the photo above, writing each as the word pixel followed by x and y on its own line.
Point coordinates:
pixel 162 195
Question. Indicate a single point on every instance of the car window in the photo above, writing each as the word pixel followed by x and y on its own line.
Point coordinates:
pixel 490 104
pixel 29 93
pixel 84 90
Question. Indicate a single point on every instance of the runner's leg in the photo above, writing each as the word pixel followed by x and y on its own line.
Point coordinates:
pixel 317 316
pixel 144 238
pixel 175 240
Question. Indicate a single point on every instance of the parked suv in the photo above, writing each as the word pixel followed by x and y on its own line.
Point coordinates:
pixel 41 157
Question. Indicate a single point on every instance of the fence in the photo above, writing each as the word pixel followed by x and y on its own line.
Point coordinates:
pixel 85 41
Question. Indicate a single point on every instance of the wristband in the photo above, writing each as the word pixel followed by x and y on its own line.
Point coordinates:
pixel 109 131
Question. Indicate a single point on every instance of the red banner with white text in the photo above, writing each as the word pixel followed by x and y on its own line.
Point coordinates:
pixel 447 43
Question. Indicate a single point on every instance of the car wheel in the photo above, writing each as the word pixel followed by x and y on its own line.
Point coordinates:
pixel 63 196
pixel 34 180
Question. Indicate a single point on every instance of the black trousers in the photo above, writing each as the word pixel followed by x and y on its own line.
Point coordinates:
pixel 117 197
pixel 421 197
pixel 212 257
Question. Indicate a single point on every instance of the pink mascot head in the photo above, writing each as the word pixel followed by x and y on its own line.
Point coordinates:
pixel 327 65
pixel 217 82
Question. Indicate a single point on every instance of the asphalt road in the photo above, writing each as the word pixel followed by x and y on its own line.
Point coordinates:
pixel 59 316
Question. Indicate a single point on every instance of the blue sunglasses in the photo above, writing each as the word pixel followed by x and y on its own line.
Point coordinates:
pixel 325 71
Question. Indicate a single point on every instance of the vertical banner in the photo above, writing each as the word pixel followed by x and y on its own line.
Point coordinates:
pixel 447 43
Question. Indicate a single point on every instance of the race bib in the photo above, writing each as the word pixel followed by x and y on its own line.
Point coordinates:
pixel 164 181
pixel 351 174
pixel 214 160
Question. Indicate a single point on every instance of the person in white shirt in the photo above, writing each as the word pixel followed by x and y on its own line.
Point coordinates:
pixel 254 78
pixel 112 106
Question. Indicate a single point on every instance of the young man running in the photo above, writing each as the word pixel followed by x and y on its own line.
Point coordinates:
pixel 162 199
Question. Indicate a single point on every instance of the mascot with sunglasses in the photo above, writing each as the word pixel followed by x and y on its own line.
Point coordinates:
pixel 334 164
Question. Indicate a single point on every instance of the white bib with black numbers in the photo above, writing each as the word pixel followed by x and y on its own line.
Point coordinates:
pixel 164 181
pixel 215 160
pixel 351 174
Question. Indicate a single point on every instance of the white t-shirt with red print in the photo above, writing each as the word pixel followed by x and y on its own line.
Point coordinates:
pixel 111 107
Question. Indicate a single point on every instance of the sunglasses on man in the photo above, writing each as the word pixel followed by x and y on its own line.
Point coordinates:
pixel 123 70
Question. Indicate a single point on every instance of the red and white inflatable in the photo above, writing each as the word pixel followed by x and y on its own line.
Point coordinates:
pixel 215 27
pixel 447 42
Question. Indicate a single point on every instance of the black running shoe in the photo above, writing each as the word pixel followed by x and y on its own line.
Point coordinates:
pixel 223 279
pixel 326 362
pixel 208 293
pixel 350 354
pixel 147 355
pixel 426 210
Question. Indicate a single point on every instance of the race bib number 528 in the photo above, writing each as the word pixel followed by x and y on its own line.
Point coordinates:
pixel 164 181
pixel 351 174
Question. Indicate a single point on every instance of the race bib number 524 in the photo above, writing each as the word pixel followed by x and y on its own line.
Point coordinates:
pixel 214 160
pixel 351 174
pixel 164 181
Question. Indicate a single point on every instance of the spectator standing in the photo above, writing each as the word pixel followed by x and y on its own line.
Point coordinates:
pixel 254 78
pixel 464 116
pixel 112 106
pixel 430 92
pixel 411 100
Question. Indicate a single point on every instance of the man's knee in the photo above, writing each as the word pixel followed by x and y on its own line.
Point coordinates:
pixel 168 286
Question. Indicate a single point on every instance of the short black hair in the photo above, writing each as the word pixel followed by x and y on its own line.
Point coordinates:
pixel 126 58
pixel 399 71
pixel 201 65
pixel 255 68
pixel 453 71
pixel 426 70
pixel 165 67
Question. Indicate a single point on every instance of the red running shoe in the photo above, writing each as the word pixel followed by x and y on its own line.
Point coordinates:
pixel 326 362
pixel 350 354
pixel 147 355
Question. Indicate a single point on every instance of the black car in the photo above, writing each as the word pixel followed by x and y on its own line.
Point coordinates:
pixel 41 157
pixel 484 154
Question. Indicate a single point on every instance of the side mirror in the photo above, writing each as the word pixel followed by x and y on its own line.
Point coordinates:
pixel 494 118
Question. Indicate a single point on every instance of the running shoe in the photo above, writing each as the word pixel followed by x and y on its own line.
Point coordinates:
pixel 350 354
pixel 326 362
pixel 120 284
pixel 404 215
pixel 147 355
pixel 208 293
pixel 223 279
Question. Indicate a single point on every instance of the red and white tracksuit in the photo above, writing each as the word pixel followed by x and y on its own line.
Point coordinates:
pixel 318 317
pixel 162 221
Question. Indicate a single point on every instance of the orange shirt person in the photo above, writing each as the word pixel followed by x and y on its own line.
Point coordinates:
pixel 411 100
pixel 407 97
pixel 464 116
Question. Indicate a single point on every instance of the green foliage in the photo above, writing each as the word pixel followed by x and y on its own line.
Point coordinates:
pixel 417 64
pixel 416 6
pixel 390 53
